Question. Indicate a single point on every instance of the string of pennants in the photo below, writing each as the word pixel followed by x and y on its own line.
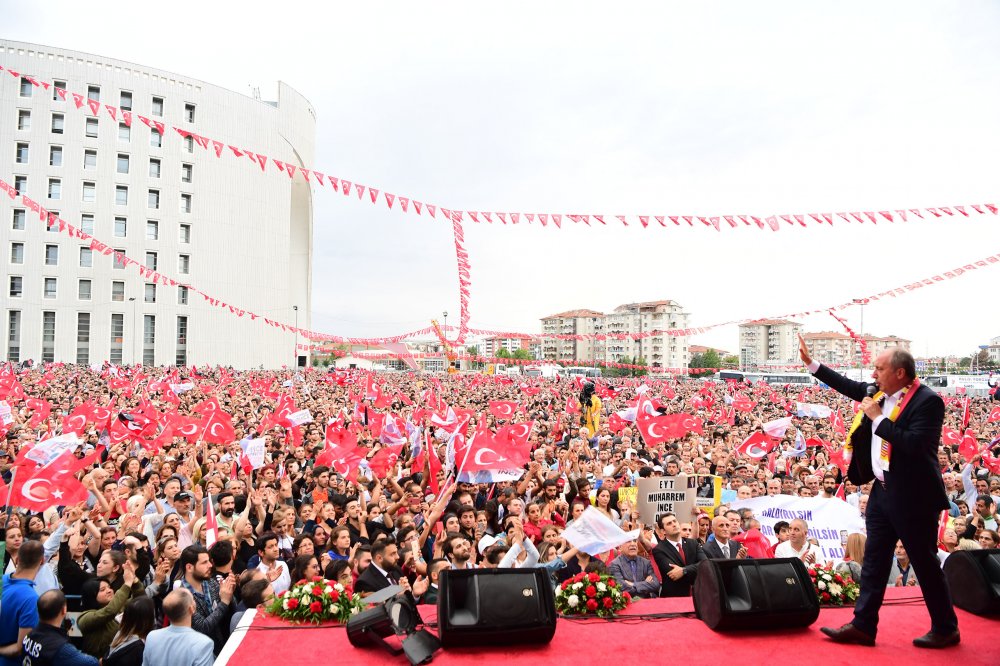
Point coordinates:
pixel 408 204
pixel 55 222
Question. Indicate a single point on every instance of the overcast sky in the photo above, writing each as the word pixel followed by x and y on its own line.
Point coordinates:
pixel 659 108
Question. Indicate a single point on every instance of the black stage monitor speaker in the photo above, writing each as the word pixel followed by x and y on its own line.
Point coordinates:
pixel 755 594
pixel 495 607
pixel 974 579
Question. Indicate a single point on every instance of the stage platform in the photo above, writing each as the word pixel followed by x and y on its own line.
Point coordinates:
pixel 632 638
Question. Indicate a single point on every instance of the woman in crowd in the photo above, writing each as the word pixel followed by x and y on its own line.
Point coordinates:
pixel 854 556
pixel 340 540
pixel 101 606
pixel 128 644
pixel 305 567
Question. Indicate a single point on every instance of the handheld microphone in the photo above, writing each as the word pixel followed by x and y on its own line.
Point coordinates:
pixel 871 390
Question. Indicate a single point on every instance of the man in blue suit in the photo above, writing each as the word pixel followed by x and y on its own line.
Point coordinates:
pixel 894 442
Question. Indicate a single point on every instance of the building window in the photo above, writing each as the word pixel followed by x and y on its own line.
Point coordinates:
pixel 50 287
pixel 123 165
pixel 149 295
pixel 20 184
pixel 55 188
pixel 51 255
pixel 58 123
pixel 17 223
pixel 90 159
pixel 14 336
pixel 187 172
pixel 17 253
pixel 119 263
pixel 117 337
pixel 55 156
pixel 89 192
pixel 16 286
pixel 152 230
pixel 21 153
pixel 184 264
pixel 189 144
pixel 86 257
pixel 148 339
pixel 23 119
pixel 90 128
pixel 157 106
pixel 182 333
pixel 153 199
pixel 151 261
pixel 82 338
pixel 121 195
pixel 94 93
pixel 185 203
pixel 124 133
pixel 56 86
pixel 182 295
pixel 189 113
pixel 87 223
pixel 155 138
pixel 125 101
pixel 83 291
pixel 26 87
pixel 48 337
pixel 118 291
pixel 154 168
pixel 185 233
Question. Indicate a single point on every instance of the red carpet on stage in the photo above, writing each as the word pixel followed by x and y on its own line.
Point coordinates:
pixel 269 641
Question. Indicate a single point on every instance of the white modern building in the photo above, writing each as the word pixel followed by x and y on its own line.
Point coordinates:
pixel 217 223
pixel 769 342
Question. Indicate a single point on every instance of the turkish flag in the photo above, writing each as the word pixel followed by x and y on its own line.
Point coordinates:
pixel 52 485
pixel 657 429
pixel 616 423
pixel 516 434
pixel 41 410
pixel 994 415
pixel 743 403
pixel 130 426
pixel 384 459
pixel 184 426
pixel 837 421
pixel 487 451
pixel 218 428
pixel 503 409
pixel 756 446
pixel 346 463
pixel 838 458
pixel 950 437
pixel 969 446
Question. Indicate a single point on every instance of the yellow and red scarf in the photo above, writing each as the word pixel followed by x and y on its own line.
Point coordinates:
pixel 886 450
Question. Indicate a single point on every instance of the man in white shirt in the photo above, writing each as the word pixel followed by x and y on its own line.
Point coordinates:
pixel 798 544
pixel 267 548
pixel 178 644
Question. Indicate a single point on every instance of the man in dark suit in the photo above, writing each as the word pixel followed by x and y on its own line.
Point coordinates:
pixel 722 547
pixel 676 558
pixel 895 443
pixel 382 572
pixel 633 573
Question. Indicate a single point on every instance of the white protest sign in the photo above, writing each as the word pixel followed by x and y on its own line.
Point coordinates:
pixel 6 415
pixel 665 494
pixel 255 449
pixel 300 417
pixel 181 388
pixel 45 452
pixel 829 520
pixel 595 533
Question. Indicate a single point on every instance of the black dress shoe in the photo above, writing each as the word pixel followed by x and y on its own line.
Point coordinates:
pixel 932 640
pixel 850 634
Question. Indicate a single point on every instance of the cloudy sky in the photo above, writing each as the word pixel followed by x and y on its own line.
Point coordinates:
pixel 658 108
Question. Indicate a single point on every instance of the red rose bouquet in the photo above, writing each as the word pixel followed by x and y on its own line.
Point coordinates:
pixel 591 594
pixel 833 588
pixel 316 601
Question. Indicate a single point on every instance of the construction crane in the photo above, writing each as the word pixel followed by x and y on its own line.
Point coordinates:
pixel 449 352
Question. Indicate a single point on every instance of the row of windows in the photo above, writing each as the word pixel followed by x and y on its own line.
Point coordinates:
pixel 125 98
pixel 85 290
pixel 89 193
pixel 19 223
pixel 91 129
pixel 123 163
pixel 51 257
pixel 83 322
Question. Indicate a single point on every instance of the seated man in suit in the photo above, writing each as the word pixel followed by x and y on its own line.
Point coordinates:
pixel 384 571
pixel 633 573
pixel 722 547
pixel 676 558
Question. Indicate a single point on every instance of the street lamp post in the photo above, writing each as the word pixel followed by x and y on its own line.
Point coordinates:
pixel 295 347
pixel 135 327
pixel 861 302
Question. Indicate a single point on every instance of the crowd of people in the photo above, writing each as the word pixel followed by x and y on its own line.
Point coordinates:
pixel 178 537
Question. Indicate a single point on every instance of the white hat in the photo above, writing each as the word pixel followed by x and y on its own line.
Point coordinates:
pixel 487 541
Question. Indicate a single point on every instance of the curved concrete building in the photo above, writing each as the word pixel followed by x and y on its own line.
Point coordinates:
pixel 218 224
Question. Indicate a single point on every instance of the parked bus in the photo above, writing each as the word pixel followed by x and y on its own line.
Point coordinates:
pixel 975 385
pixel 795 378
pixel 581 371
pixel 738 376
pixel 547 371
